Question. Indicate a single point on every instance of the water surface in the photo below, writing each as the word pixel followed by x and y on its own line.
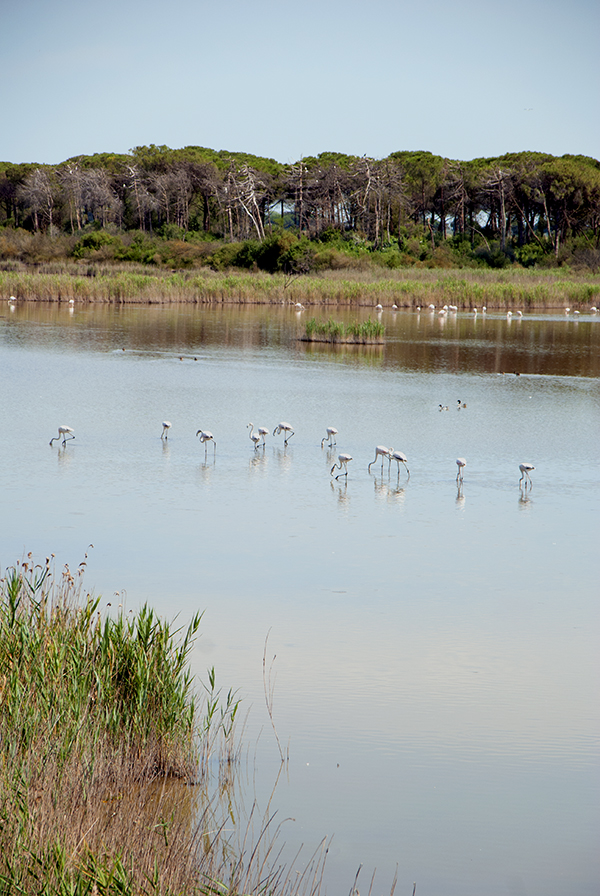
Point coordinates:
pixel 436 672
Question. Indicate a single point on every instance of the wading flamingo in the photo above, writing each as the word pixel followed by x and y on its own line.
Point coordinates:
pixel 343 459
pixel 166 428
pixel 255 436
pixel 461 464
pixel 262 433
pixel 331 434
pixel 400 458
pixel 284 428
pixel 205 438
pixel 67 434
pixel 380 451
pixel 525 469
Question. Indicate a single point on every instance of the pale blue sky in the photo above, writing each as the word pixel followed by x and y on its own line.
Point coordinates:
pixel 287 79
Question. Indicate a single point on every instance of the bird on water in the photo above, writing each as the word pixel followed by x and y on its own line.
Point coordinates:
pixel 343 460
pixel 331 434
pixel 205 438
pixel 165 430
pixel 380 451
pixel 525 470
pixel 255 436
pixel 67 434
pixel 286 429
pixel 400 458
pixel 461 464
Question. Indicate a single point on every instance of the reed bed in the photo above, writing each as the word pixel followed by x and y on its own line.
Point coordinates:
pixel 107 781
pixel 468 289
pixel 367 332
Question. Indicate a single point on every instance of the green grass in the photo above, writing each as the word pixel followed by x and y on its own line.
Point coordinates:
pixel 104 785
pixel 364 332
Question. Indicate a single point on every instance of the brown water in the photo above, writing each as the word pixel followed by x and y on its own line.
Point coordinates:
pixel 436 647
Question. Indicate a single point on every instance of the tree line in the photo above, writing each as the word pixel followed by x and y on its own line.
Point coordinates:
pixel 519 205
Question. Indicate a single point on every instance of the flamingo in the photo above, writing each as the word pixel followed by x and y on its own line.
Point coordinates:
pixel 519 313
pixel 443 407
pixel 255 436
pixel 206 437
pixel 331 434
pixel 343 459
pixel 400 458
pixel 284 428
pixel 166 428
pixel 67 434
pixel 460 404
pixel 461 464
pixel 380 451
pixel 525 468
pixel 262 433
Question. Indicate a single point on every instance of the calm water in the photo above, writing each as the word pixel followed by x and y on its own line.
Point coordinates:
pixel 436 670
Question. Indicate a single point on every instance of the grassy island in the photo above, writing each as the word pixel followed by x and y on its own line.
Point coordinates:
pixel 369 332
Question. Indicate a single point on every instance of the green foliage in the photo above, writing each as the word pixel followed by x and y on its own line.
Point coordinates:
pixel 93 713
pixel 529 255
pixel 91 242
pixel 125 677
pixel 492 255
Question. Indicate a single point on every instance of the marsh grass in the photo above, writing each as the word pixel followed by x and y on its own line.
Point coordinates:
pixel 358 332
pixel 410 288
pixel 111 782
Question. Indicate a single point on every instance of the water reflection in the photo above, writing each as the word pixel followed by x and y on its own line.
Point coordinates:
pixel 524 500
pixel 340 490
pixel 541 344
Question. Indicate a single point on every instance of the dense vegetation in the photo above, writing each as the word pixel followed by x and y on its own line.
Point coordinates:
pixel 195 207
pixel 104 761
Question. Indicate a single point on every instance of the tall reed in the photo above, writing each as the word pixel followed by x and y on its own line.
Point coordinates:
pixel 405 288
pixel 103 755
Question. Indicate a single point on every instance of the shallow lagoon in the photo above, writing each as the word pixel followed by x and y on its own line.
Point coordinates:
pixel 436 672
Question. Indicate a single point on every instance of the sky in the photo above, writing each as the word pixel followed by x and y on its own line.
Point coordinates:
pixel 287 79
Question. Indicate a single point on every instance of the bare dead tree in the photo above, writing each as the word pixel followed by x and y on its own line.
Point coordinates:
pixel 498 185
pixel 100 199
pixel 144 202
pixel 71 181
pixel 38 193
pixel 243 192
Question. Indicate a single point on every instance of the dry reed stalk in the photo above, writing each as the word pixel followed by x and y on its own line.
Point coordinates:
pixel 406 289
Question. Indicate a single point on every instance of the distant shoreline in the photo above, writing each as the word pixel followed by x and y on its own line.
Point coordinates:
pixel 407 289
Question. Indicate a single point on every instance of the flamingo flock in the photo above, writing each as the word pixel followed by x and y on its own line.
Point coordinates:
pixel 66 433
